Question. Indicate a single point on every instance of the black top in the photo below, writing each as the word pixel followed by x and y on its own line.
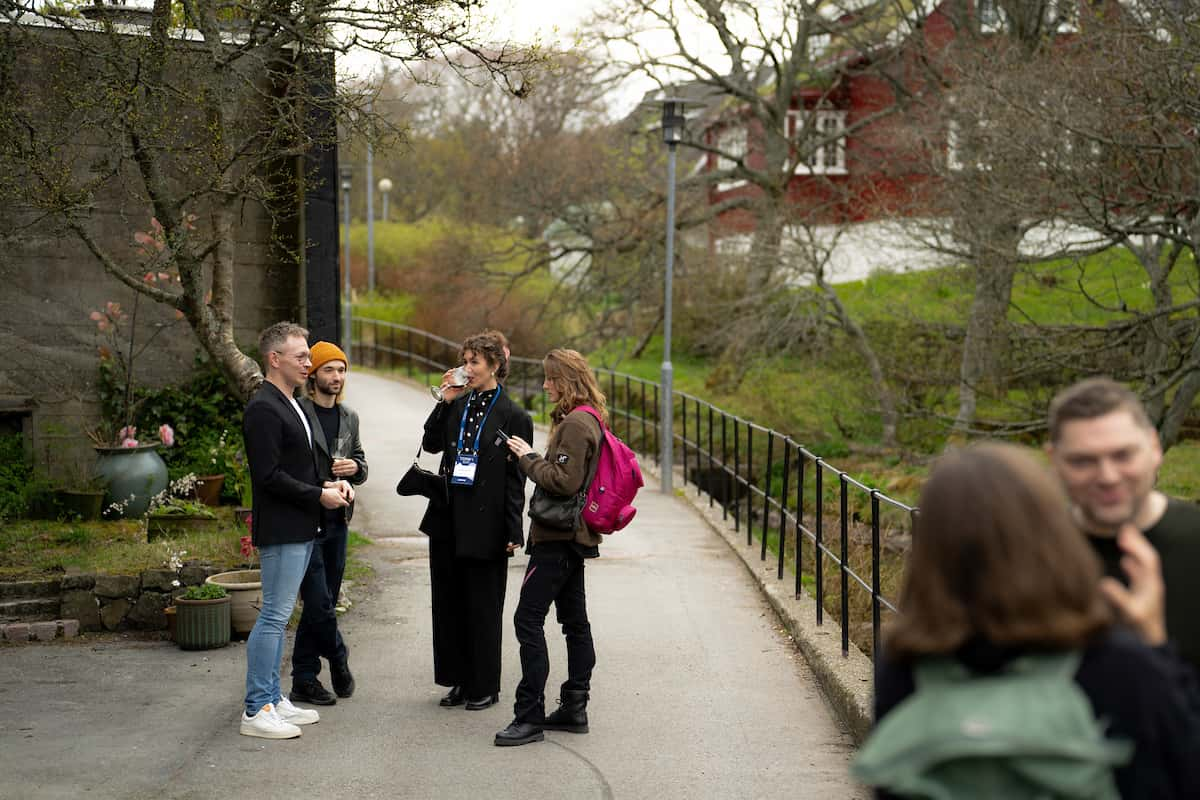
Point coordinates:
pixel 1176 537
pixel 1147 695
pixel 477 409
pixel 329 418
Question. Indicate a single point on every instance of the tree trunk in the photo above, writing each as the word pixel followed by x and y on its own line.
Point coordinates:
pixel 1181 403
pixel 888 416
pixel 986 340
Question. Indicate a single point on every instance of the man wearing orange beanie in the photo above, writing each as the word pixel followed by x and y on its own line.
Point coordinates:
pixel 339 456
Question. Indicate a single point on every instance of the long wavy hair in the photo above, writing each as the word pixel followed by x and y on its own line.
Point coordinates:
pixel 995 555
pixel 574 382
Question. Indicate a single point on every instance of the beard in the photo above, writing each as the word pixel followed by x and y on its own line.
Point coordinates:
pixel 325 386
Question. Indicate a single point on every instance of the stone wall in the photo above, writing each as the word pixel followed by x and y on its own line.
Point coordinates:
pixel 98 602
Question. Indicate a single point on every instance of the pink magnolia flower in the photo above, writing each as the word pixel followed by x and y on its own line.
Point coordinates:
pixel 128 432
pixel 166 435
pixel 130 443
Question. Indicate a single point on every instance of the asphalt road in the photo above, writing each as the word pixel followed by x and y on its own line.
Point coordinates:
pixel 696 693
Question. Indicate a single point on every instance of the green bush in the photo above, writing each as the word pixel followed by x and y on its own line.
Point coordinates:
pixel 207 419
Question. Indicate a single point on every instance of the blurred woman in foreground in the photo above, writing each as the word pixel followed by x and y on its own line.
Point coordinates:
pixel 998 571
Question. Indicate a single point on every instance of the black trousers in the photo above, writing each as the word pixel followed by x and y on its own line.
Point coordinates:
pixel 317 635
pixel 468 611
pixel 554 575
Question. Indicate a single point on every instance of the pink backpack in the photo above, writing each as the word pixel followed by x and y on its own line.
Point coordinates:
pixel 616 483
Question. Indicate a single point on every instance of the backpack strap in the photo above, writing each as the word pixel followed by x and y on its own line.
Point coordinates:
pixel 594 413
pixel 595 458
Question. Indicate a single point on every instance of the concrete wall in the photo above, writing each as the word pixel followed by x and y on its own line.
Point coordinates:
pixel 50 282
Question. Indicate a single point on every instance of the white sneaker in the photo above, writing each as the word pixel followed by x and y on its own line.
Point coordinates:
pixel 296 715
pixel 267 724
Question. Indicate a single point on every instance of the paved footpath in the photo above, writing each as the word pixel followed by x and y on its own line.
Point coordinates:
pixel 696 693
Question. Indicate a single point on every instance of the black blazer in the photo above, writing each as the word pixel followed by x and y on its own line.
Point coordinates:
pixel 283 470
pixel 484 517
pixel 348 445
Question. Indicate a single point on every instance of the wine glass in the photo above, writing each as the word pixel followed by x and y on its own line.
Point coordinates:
pixel 457 378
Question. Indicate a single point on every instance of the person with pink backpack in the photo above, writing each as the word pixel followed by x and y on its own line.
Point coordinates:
pixel 557 551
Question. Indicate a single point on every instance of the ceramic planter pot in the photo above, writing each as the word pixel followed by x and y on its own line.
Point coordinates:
pixel 132 476
pixel 202 624
pixel 245 592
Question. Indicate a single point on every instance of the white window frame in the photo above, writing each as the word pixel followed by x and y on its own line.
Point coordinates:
pixel 732 139
pixel 830 157
pixel 954 160
pixel 990 16
pixel 1064 14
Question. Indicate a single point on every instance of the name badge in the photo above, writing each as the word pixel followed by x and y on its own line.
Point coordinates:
pixel 464 470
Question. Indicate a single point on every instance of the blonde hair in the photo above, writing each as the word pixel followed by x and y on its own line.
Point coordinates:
pixel 574 382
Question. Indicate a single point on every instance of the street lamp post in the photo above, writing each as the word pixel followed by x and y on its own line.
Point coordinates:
pixel 672 122
pixel 346 184
pixel 370 186
pixel 385 188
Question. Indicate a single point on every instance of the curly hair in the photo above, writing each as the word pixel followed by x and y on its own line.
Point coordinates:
pixel 493 346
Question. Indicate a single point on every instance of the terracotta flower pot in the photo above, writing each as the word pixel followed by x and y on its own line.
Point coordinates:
pixel 208 489
pixel 245 592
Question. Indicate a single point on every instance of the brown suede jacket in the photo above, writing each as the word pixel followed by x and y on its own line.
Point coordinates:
pixel 569 461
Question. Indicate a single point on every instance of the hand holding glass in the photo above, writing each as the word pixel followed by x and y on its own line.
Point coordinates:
pixel 457 379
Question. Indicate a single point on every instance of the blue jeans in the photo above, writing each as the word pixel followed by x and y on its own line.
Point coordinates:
pixel 283 568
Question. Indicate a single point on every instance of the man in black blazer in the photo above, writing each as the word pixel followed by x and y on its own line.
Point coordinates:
pixel 288 498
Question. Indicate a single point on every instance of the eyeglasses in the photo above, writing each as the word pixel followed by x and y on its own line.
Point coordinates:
pixel 300 357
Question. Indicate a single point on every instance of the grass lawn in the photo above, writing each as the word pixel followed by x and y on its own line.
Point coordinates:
pixel 31 549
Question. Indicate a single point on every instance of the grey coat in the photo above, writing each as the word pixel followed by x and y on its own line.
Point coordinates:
pixel 348 445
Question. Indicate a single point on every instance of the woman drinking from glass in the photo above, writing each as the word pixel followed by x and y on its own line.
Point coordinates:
pixel 471 538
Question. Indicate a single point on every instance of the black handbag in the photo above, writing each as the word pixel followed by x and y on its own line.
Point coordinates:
pixel 420 481
pixel 556 511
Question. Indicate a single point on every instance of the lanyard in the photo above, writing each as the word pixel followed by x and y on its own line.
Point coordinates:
pixel 462 426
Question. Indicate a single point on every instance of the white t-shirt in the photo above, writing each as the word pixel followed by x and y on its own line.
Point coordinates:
pixel 303 420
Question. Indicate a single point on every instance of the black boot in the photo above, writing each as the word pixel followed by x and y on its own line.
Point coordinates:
pixel 571 714
pixel 311 691
pixel 519 733
pixel 341 677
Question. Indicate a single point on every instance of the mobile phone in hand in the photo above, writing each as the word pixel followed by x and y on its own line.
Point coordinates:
pixel 502 438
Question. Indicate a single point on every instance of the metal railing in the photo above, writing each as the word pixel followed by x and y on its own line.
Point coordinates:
pixel 813 517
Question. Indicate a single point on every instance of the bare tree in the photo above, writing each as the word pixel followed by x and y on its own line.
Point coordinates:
pixel 188 118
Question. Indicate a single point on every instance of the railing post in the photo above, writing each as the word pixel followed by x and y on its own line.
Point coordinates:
pixel 749 482
pixel 410 353
pixel 799 519
pixel 874 573
pixel 683 442
pixel 819 548
pixel 783 496
pixel 642 392
pixel 767 493
pixel 710 454
pixel 845 546
pixel 727 485
pixel 737 479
